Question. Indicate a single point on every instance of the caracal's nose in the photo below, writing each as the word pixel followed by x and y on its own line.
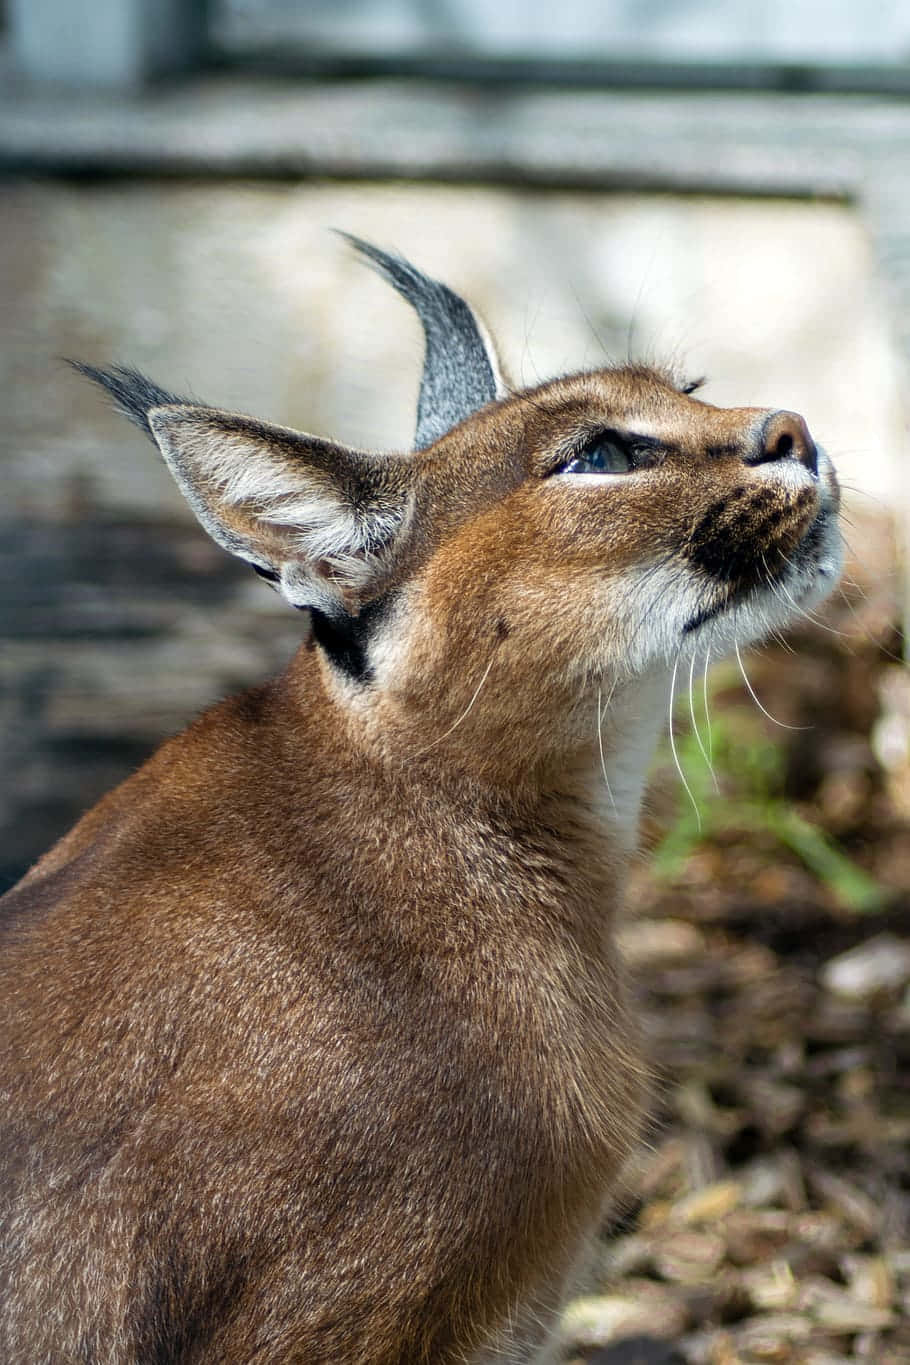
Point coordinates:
pixel 785 436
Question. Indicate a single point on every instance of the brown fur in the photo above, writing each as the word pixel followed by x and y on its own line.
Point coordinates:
pixel 315 1045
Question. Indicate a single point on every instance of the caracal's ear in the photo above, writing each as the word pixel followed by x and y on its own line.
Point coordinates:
pixel 323 522
pixel 461 371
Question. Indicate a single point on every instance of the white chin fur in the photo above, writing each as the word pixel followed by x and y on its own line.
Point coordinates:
pixel 656 605
pixel 778 605
pixel 802 587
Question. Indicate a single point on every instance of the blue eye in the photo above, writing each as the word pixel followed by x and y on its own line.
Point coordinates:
pixel 602 456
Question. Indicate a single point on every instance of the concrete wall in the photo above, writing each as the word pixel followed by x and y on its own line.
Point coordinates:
pixel 104 43
pixel 241 294
pixel 674 30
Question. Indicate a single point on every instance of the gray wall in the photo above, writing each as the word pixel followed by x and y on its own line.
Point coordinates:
pixel 674 30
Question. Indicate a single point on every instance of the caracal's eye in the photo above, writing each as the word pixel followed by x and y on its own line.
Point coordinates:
pixel 602 456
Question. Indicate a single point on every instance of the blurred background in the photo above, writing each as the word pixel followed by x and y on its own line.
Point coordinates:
pixel 721 188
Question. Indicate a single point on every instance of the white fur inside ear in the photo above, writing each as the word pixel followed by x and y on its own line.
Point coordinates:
pixel 245 474
pixel 321 525
pixel 321 521
pixel 351 546
pixel 292 500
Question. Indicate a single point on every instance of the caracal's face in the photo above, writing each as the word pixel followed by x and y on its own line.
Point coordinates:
pixel 606 523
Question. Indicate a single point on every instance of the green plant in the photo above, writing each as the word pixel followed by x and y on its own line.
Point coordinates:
pixel 734 776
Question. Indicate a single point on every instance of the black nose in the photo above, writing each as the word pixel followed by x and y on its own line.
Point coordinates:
pixel 785 436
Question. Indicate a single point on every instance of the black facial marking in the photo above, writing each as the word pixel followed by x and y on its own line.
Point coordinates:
pixel 743 538
pixel 268 574
pixel 811 542
pixel 722 451
pixel 706 614
pixel 503 629
pixel 345 639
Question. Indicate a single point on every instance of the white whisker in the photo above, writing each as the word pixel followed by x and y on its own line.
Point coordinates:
pixel 682 775
pixel 704 691
pixel 703 748
pixel 462 717
pixel 752 693
pixel 806 614
pixel 787 599
pixel 600 739
pixel 695 730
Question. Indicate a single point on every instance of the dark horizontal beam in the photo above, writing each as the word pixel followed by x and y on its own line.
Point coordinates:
pixel 633 73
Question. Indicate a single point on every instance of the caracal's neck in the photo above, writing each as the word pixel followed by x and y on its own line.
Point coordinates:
pixel 614 769
pixel 588 754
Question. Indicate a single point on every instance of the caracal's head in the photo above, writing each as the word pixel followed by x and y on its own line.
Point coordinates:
pixel 537 550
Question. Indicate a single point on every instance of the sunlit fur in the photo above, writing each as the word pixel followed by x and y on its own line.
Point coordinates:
pixel 315 1045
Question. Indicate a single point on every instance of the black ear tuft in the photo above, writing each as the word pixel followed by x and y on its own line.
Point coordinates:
pixel 133 394
pixel 459 374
